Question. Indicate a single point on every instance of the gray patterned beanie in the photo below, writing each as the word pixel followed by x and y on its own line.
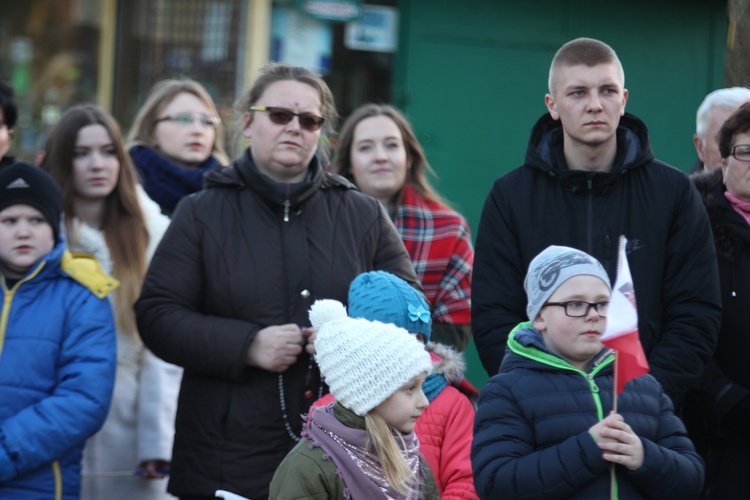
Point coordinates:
pixel 553 267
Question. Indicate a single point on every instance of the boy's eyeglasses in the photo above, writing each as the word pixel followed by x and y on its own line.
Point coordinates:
pixel 210 121
pixel 282 116
pixel 741 152
pixel 579 308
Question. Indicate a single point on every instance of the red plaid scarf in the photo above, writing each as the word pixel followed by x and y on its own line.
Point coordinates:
pixel 439 244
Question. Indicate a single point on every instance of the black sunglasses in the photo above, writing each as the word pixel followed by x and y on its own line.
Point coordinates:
pixel 282 116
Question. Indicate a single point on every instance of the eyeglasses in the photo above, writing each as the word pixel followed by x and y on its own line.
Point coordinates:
pixel 282 116
pixel 741 152
pixel 579 308
pixel 209 121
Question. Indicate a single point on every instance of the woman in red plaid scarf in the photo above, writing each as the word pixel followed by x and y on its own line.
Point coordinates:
pixel 379 152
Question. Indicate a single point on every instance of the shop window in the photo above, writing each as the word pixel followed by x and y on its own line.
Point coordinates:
pixel 162 39
pixel 48 53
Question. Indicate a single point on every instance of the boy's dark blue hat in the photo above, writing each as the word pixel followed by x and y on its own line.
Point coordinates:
pixel 382 296
pixel 23 183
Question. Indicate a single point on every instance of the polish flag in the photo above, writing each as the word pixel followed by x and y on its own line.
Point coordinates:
pixel 621 333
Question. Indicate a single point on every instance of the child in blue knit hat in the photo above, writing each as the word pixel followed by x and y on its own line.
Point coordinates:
pixel 445 428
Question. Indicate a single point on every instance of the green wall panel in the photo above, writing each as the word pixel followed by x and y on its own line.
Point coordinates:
pixel 472 75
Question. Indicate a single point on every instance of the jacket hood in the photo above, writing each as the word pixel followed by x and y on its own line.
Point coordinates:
pixel 544 153
pixel 447 362
pixel 731 232
pixel 526 349
pixel 244 173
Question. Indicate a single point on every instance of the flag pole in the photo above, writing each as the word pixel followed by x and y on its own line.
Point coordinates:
pixel 612 477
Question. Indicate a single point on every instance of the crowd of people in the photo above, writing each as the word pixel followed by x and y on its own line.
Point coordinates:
pixel 176 324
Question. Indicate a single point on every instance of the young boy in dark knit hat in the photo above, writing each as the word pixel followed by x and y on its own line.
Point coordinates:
pixel 445 427
pixel 57 342
pixel 545 427
pixel 363 446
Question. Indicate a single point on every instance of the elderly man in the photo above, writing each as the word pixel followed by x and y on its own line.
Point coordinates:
pixel 711 115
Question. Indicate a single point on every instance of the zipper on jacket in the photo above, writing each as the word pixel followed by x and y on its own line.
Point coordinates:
pixel 590 214
pixel 287 204
pixel 8 300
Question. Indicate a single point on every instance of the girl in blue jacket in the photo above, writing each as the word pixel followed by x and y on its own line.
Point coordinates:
pixel 544 427
pixel 57 343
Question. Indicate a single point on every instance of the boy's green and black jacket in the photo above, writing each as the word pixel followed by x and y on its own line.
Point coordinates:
pixel 531 433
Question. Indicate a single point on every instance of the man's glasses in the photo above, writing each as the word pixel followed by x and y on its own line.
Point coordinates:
pixel 282 116
pixel 579 308
pixel 741 152
pixel 210 121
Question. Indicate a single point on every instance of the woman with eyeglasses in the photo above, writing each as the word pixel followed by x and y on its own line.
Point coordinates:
pixel 177 137
pixel 227 294
pixel 717 412
pixel 378 151
pixel 108 214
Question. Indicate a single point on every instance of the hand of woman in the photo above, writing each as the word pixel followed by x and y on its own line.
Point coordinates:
pixel 309 334
pixel 618 441
pixel 275 348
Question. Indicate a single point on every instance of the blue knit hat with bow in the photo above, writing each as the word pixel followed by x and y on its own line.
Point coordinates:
pixel 382 296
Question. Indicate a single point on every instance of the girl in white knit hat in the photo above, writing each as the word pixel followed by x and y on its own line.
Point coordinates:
pixel 362 446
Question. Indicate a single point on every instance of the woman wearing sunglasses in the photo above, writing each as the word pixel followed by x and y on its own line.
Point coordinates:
pixel 379 152
pixel 176 138
pixel 228 291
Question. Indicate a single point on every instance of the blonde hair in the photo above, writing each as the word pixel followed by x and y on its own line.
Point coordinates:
pixel 161 94
pixel 395 467
pixel 582 51
pixel 123 222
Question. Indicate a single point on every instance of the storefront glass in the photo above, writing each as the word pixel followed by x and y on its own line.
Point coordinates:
pixel 48 54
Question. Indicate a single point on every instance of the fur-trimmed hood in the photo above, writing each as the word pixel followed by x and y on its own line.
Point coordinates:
pixel 731 232
pixel 447 362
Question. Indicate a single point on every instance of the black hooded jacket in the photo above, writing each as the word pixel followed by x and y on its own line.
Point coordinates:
pixel 241 255
pixel 716 412
pixel 670 249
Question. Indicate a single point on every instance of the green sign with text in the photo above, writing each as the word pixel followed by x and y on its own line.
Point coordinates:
pixel 332 10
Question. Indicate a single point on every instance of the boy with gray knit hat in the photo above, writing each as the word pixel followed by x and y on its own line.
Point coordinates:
pixel 545 426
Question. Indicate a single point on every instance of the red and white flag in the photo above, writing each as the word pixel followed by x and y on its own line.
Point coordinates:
pixel 621 333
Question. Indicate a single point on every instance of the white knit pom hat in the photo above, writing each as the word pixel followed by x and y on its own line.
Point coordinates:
pixel 364 362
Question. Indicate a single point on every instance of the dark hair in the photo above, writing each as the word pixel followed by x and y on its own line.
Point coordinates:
pixel 123 222
pixel 8 103
pixel 738 123
pixel 416 175
pixel 581 51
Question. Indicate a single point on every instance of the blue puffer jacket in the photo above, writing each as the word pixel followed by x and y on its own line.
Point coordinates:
pixel 531 436
pixel 57 366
